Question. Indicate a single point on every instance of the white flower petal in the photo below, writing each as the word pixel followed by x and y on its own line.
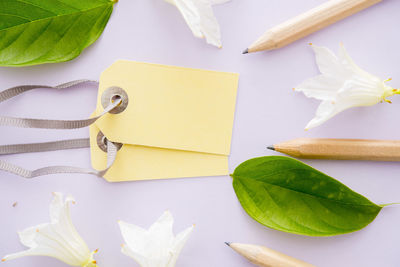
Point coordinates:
pixel 59 207
pixel 141 260
pixel 321 87
pixel 62 223
pixel 162 229
pixel 328 63
pixel 133 235
pixel 29 237
pixel 200 18
pixel 156 247
pixel 218 2
pixel 342 85
pixel 360 93
pixel 58 239
pixel 348 63
pixel 325 111
pixel 191 15
pixel 179 243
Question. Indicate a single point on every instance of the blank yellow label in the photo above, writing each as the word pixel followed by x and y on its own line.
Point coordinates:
pixel 178 122
pixel 146 163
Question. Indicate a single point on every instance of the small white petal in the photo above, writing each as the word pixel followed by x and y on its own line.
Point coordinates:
pixel 156 247
pixel 179 243
pixel 200 18
pixel 141 260
pixel 348 63
pixel 321 87
pixel 133 235
pixel 27 236
pixel 327 61
pixel 325 111
pixel 218 2
pixel 162 229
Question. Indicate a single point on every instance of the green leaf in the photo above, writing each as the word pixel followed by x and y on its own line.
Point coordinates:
pixel 287 195
pixel 47 31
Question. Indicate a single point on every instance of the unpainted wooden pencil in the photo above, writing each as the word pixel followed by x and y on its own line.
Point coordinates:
pixel 340 149
pixel 309 22
pixel 265 257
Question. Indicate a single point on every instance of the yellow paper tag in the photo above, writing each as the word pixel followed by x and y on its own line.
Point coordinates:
pixel 178 122
pixel 146 163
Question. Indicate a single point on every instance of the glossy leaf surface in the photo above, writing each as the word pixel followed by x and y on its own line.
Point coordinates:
pixel 48 31
pixel 287 195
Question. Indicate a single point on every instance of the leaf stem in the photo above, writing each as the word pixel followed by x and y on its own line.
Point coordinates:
pixel 389 204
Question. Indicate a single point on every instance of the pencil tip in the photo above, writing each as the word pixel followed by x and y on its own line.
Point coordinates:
pixel 271 148
pixel 246 51
pixel 228 244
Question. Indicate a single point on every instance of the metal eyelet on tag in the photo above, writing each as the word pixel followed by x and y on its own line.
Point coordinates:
pixel 102 142
pixel 112 94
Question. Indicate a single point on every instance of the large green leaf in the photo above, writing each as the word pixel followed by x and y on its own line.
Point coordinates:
pixel 48 31
pixel 287 195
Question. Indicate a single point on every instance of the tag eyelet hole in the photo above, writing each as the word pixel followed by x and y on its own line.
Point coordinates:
pixel 113 94
pixel 116 98
pixel 102 142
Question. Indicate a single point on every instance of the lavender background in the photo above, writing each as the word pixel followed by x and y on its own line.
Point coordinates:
pixel 268 111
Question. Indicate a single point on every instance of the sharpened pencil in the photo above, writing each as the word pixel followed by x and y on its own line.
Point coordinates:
pixel 340 149
pixel 265 257
pixel 315 19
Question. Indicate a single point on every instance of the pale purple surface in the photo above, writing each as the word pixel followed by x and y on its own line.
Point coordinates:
pixel 268 111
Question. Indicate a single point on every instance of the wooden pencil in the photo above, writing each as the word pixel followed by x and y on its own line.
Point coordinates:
pixel 341 149
pixel 265 257
pixel 308 22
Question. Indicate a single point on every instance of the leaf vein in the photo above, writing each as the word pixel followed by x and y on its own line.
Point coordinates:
pixel 21 1
pixel 59 16
pixel 319 197
pixel 321 218
pixel 15 39
pixel 32 43
pixel 68 5
pixel 13 15
pixel 292 220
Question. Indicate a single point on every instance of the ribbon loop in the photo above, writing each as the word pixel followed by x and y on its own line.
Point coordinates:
pixel 52 146
pixel 49 124
pixel 17 170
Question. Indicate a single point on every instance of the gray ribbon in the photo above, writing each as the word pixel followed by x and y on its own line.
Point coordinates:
pixel 48 124
pixel 14 91
pixel 51 146
pixel 55 124
pixel 44 147
pixel 14 169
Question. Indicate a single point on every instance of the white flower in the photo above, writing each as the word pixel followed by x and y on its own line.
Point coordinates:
pixel 342 85
pixel 199 16
pixel 58 239
pixel 156 247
